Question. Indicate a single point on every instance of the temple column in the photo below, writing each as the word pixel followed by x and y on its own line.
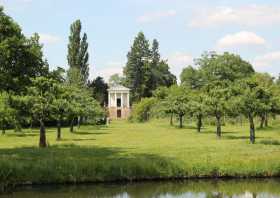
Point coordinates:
pixel 115 100
pixel 122 100
pixel 127 95
pixel 109 101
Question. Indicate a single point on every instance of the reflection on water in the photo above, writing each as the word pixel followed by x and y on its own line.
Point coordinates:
pixel 264 188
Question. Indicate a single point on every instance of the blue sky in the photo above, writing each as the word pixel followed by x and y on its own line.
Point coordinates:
pixel 184 28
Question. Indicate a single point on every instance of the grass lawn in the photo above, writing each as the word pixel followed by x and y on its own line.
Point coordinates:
pixel 133 151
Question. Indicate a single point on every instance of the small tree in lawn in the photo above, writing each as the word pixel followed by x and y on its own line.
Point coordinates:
pixel 216 100
pixel 248 100
pixel 92 109
pixel 60 106
pixel 197 107
pixel 74 108
pixel 177 102
pixel 7 114
pixel 265 82
pixel 40 99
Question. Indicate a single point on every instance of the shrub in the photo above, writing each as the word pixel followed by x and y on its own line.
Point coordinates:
pixel 141 111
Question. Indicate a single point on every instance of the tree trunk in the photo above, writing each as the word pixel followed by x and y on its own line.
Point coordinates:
pixel 218 124
pixel 58 129
pixel 171 119
pixel 72 126
pixel 31 125
pixel 181 121
pixel 266 120
pixel 3 131
pixel 199 122
pixel 79 121
pixel 252 129
pixel 43 141
pixel 262 121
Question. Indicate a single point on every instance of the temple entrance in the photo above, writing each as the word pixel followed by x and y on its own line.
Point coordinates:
pixel 119 102
pixel 119 113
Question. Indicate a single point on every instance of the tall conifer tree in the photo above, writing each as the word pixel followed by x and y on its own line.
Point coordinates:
pixel 78 55
pixel 134 70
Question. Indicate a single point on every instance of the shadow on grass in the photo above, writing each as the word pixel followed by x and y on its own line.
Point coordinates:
pixel 74 164
pixel 25 134
pixel 207 131
pixel 269 128
pixel 270 142
pixel 75 152
pixel 232 137
pixel 63 151
pixel 80 139
pixel 89 133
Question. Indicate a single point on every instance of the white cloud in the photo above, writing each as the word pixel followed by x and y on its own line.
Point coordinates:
pixel 48 38
pixel 239 39
pixel 267 60
pixel 178 61
pixel 111 68
pixel 252 15
pixel 155 16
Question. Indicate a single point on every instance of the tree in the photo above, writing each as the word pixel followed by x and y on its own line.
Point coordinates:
pixel 191 78
pixel 248 99
pixel 145 71
pixel 81 105
pixel 156 72
pixel 21 58
pixel 116 79
pixel 7 113
pixel 40 99
pixel 177 102
pixel 219 72
pixel 141 111
pixel 134 69
pixel 78 55
pixel 60 105
pixel 265 82
pixel 197 106
pixel 74 78
pixel 99 90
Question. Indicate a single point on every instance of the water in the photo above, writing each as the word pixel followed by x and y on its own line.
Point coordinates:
pixel 261 188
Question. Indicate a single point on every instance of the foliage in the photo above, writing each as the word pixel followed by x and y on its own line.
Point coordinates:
pixel 145 71
pixel 251 99
pixel 141 111
pixel 40 100
pixel 7 113
pixel 98 89
pixel 191 78
pixel 116 79
pixel 218 73
pixel 21 58
pixel 177 102
pixel 78 55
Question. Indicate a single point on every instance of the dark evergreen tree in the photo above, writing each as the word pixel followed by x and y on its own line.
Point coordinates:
pixel 145 71
pixel 99 90
pixel 134 69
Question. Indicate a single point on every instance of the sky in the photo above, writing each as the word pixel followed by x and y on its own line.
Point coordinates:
pixel 184 28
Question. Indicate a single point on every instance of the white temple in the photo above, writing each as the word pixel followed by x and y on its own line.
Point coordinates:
pixel 118 102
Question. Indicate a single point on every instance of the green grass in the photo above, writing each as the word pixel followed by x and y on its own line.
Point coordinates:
pixel 134 151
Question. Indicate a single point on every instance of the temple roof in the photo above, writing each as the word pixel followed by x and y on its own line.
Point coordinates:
pixel 118 88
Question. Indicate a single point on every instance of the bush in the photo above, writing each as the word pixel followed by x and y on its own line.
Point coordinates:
pixel 141 111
